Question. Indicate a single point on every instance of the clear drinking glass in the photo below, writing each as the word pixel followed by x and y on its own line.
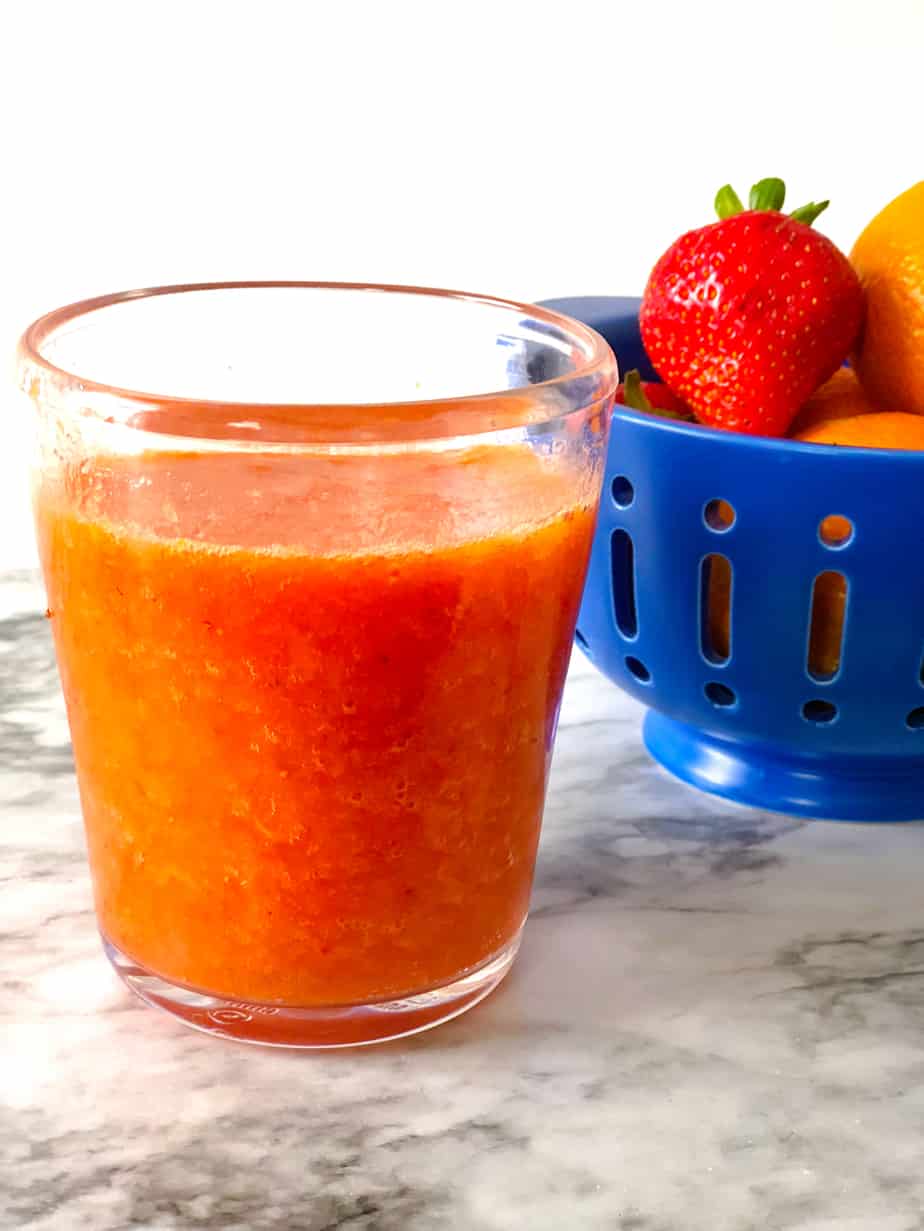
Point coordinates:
pixel 313 555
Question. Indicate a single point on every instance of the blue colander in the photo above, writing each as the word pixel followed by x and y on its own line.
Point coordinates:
pixel 757 719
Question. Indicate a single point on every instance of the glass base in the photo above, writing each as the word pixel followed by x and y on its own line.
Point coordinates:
pixel 278 1025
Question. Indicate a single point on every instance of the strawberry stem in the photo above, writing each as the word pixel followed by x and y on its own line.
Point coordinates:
pixel 767 194
pixel 634 393
pixel 808 213
pixel 727 202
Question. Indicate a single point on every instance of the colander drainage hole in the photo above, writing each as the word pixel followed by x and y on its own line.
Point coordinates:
pixel 623 492
pixel 721 695
pixel 836 531
pixel 638 669
pixel 820 712
pixel 715 591
pixel 826 625
pixel 719 515
pixel 915 719
pixel 622 559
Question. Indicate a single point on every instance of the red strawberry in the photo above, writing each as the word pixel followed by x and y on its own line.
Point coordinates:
pixel 746 317
pixel 652 397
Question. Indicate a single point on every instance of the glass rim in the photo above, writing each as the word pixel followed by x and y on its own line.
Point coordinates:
pixel 113 403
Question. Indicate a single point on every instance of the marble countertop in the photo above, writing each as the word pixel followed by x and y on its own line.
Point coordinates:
pixel 716 1022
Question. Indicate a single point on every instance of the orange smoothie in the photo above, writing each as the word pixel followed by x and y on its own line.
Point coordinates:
pixel 312 703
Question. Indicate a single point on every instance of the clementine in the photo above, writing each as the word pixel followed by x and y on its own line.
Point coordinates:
pixel 879 430
pixel 889 259
pixel 840 397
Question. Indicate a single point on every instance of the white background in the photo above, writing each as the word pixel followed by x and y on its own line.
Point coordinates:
pixel 523 149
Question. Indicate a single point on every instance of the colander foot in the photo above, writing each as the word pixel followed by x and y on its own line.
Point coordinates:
pixel 854 789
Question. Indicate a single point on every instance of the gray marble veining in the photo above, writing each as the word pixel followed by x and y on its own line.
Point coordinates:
pixel 715 1023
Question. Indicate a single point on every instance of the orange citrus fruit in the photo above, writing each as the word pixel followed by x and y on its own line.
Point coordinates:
pixel 841 397
pixel 880 430
pixel 889 259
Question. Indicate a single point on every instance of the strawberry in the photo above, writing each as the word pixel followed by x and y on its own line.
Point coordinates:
pixel 652 397
pixel 744 318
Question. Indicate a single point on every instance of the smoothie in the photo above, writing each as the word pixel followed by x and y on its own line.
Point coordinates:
pixel 312 703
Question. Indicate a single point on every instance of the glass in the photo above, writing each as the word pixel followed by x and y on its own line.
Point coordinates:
pixel 313 556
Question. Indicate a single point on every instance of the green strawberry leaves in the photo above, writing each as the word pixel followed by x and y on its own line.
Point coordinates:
pixel 766 194
pixel 727 202
pixel 636 399
pixel 634 393
pixel 808 213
